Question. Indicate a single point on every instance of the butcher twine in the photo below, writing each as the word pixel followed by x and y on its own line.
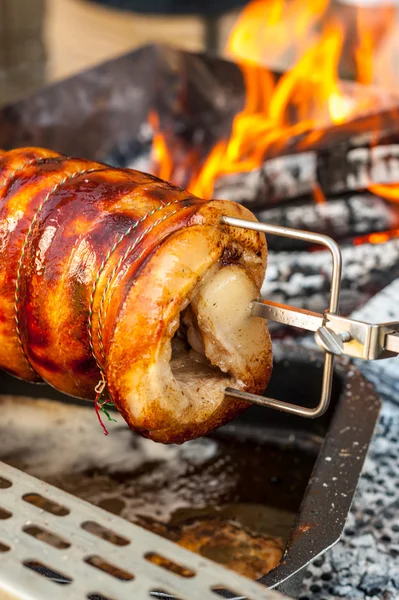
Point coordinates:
pixel 101 386
pixel 26 240
pixel 11 176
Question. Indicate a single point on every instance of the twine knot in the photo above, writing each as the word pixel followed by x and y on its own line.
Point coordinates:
pixel 101 405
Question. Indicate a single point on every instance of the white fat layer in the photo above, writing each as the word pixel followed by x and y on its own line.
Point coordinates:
pixel 232 338
pixel 224 341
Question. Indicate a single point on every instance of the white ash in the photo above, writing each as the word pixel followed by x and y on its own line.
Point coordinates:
pixel 338 168
pixel 384 307
pixel 289 176
pixel 381 308
pixel 303 278
pixel 355 215
pixel 364 565
pixel 379 164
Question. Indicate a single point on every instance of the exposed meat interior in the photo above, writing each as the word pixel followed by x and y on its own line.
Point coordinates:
pixel 217 337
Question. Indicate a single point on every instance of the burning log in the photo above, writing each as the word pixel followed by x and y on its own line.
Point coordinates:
pixel 339 218
pixel 337 163
pixel 303 278
pixel 197 99
pixel 285 158
pixel 338 158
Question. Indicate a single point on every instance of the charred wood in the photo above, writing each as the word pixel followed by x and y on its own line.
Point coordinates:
pixel 303 279
pixel 209 93
pixel 346 166
pixel 339 218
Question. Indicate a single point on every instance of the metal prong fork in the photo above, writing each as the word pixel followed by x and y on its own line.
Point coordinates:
pixel 334 334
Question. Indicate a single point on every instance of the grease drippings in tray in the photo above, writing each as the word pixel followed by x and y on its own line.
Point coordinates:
pixel 232 496
pixel 207 498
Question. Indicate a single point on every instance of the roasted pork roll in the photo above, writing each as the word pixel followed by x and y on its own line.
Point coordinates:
pixel 115 282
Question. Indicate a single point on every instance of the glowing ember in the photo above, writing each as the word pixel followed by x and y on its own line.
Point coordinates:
pixel 309 96
pixel 376 238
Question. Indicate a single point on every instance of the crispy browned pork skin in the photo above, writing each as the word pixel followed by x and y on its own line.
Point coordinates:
pixel 111 274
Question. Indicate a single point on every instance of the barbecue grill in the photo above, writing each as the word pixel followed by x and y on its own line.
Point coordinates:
pixel 331 448
pixel 110 103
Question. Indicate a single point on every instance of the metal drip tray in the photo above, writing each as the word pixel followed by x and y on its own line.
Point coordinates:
pixel 265 483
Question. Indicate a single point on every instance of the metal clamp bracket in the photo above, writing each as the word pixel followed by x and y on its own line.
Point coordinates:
pixel 334 334
pixel 366 340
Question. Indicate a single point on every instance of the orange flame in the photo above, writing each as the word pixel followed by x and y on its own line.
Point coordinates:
pixel 389 191
pixel 306 98
pixel 160 150
pixel 364 51
pixel 268 30
pixel 318 195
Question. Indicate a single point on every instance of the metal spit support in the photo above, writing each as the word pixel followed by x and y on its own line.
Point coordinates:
pixel 335 335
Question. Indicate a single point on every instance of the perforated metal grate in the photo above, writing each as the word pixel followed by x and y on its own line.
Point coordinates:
pixel 53 545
